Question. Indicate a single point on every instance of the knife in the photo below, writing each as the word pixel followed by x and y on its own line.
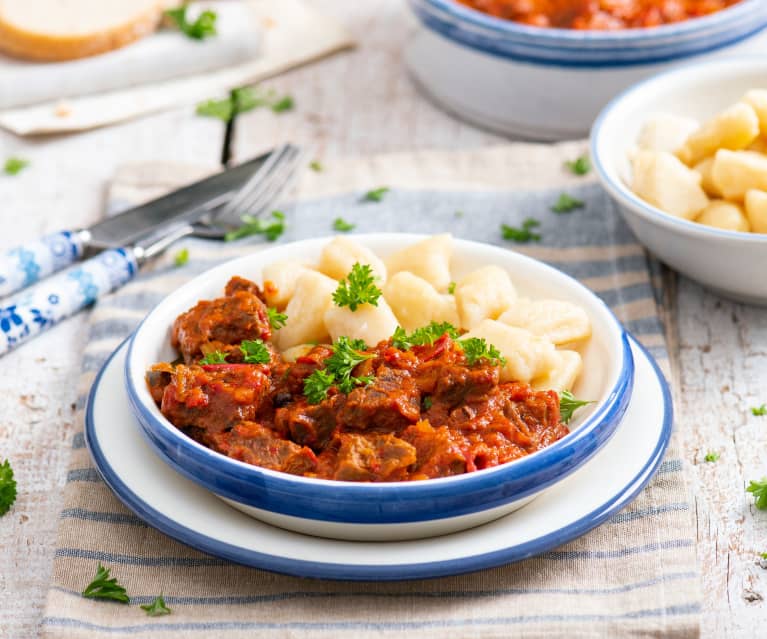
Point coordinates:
pixel 24 265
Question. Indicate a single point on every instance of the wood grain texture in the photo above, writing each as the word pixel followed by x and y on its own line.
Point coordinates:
pixel 352 104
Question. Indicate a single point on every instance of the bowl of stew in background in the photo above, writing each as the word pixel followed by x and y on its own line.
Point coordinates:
pixel 514 76
pixel 389 510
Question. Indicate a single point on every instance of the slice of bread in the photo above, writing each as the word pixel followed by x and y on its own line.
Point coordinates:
pixel 54 30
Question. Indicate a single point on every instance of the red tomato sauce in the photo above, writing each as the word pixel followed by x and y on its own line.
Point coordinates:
pixel 603 15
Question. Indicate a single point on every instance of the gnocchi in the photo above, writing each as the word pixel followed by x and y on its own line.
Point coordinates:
pixel 428 259
pixel 341 253
pixel 724 215
pixel 312 296
pixel 369 323
pixel 483 294
pixel 561 322
pixel 567 366
pixel 415 302
pixel 734 128
pixel 279 282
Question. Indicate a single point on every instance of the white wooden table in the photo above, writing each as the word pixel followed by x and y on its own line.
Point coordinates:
pixel 357 103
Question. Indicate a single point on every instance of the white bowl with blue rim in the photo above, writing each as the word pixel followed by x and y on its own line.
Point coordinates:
pixel 391 510
pixel 550 84
pixel 729 262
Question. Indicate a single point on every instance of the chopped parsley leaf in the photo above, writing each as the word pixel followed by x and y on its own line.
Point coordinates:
pixel 316 166
pixel 271 228
pixel 759 411
pixel 427 403
pixel 376 195
pixel 104 587
pixel 357 288
pixel 317 385
pixel 7 487
pixel 340 224
pixel 242 100
pixel 431 333
pixel 476 349
pixel 157 608
pixel 214 357
pixel 451 288
pixel 458 214
pixel 276 319
pixel 568 404
pixel 524 234
pixel 347 355
pixel 711 456
pixel 14 166
pixel 255 352
pixel 759 490
pixel 203 27
pixel 181 258
pixel 567 204
pixel 285 103
pixel 579 166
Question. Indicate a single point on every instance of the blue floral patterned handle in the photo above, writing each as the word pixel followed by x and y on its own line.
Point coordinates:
pixel 24 265
pixel 60 297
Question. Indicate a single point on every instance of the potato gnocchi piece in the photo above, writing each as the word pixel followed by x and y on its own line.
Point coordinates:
pixel 663 181
pixel 756 210
pixel 306 311
pixel 558 321
pixel 483 294
pixel 735 172
pixel 757 99
pixel 294 352
pixel 705 168
pixel 759 145
pixel 665 132
pixel 279 282
pixel 724 215
pixel 428 259
pixel 369 323
pixel 527 356
pixel 415 302
pixel 734 128
pixel 563 374
pixel 341 253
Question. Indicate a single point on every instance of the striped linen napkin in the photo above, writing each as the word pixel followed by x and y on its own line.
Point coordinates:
pixel 633 576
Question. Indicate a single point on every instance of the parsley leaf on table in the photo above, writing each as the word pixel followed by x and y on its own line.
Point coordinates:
pixel 524 234
pixel 568 404
pixel 711 456
pixel 271 229
pixel 579 166
pixel 285 103
pixel 276 319
pixel 204 26
pixel 102 587
pixel 567 204
pixel 14 166
pixel 316 166
pixel 759 411
pixel 7 487
pixel 215 357
pixel 376 195
pixel 255 352
pixel 357 288
pixel 157 608
pixel 181 257
pixel 759 490
pixel 340 224
pixel 242 100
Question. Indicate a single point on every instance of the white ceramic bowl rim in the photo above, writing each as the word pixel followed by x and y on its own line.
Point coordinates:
pixel 621 191
pixel 686 27
pixel 607 411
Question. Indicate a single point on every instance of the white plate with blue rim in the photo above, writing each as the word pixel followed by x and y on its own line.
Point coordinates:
pixel 194 516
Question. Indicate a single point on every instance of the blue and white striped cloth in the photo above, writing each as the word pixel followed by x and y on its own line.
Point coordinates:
pixel 633 576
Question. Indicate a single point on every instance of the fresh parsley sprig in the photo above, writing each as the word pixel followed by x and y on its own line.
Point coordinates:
pixel 317 385
pixel 376 195
pixel 759 411
pixel 104 587
pixel 759 490
pixel 347 355
pixel 203 27
pixel 357 288
pixel 7 487
pixel 316 166
pixel 476 349
pixel 579 166
pixel 524 234
pixel 568 404
pixel 711 456
pixel 254 351
pixel 157 608
pixel 14 166
pixel 214 357
pixel 566 204
pixel 340 224
pixel 426 335
pixel 271 228
pixel 276 319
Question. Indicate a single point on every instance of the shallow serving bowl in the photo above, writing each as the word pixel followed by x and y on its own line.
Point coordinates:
pixel 550 83
pixel 394 510
pixel 729 262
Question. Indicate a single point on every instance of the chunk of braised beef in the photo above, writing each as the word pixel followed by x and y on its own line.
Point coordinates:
pixel 390 402
pixel 372 457
pixel 305 366
pixel 238 283
pixel 213 398
pixel 226 320
pixel 157 378
pixel 308 424
pixel 256 444
pixel 440 452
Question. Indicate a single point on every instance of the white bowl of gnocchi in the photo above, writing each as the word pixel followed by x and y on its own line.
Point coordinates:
pixel 379 387
pixel 684 156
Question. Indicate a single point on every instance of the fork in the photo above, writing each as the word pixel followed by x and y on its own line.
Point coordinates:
pixel 64 295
